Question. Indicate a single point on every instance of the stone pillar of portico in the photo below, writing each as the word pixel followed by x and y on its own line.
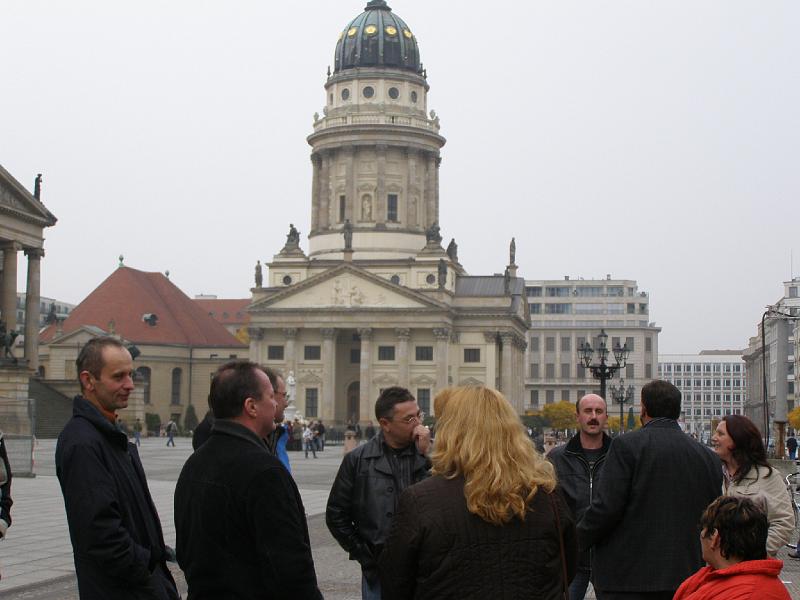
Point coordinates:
pixel 9 296
pixel 325 192
pixel 506 365
pixel 442 335
pixel 380 201
pixel 403 335
pixel 289 351
pixel 256 335
pixel 366 401
pixel 315 202
pixel 32 308
pixel 326 410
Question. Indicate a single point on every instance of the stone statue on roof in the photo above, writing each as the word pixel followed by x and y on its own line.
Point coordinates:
pixel 512 252
pixel 442 269
pixel 293 237
pixel 432 234
pixel 452 250
pixel 37 187
pixel 259 274
pixel 347 231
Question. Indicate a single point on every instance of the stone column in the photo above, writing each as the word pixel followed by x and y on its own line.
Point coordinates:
pixel 328 399
pixel 350 201
pixel 403 336
pixel 430 190
pixel 256 340
pixel 506 364
pixel 315 192
pixel 32 306
pixel 442 335
pixel 437 162
pixel 325 192
pixel 381 201
pixel 408 218
pixel 289 350
pixel 366 401
pixel 9 298
pixel 491 358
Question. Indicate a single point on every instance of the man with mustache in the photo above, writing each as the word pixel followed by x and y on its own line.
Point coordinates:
pixel 578 465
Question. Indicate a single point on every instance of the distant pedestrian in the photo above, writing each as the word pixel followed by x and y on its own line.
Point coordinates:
pixel 320 436
pixel 642 523
pixel 117 542
pixel 171 429
pixel 369 431
pixel 239 519
pixel 579 466
pixel 137 432
pixel 791 446
pixel 308 441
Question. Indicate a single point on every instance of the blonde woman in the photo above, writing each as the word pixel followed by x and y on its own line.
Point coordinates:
pixel 488 523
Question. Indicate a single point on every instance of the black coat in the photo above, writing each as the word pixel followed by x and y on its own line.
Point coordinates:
pixel 113 524
pixel 576 478
pixel 5 484
pixel 364 498
pixel 438 549
pixel 240 522
pixel 643 518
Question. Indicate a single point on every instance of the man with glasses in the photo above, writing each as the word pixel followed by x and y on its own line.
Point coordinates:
pixel 364 496
pixel 276 441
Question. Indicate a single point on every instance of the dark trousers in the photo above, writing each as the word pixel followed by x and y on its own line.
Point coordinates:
pixel 634 595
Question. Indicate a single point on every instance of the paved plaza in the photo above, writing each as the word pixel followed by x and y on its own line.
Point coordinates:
pixel 36 558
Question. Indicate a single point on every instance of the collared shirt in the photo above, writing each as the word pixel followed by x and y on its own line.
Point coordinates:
pixel 402 463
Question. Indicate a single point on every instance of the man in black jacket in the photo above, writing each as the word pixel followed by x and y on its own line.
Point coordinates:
pixel 364 496
pixel 642 522
pixel 113 524
pixel 239 519
pixel 579 464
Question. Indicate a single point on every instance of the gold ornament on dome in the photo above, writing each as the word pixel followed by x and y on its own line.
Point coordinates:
pixel 352 32
pixel 370 30
pixel 341 35
pixel 407 33
pixel 391 30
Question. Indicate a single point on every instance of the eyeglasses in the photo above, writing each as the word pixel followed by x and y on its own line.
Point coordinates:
pixel 413 418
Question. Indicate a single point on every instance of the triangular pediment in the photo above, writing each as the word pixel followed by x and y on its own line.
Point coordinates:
pixel 347 287
pixel 385 379
pixel 18 202
pixel 78 337
pixel 470 382
pixel 423 380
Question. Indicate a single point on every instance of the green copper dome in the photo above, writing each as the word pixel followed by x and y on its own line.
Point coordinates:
pixel 377 38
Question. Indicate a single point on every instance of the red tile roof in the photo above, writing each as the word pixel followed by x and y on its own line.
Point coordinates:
pixel 228 311
pixel 128 294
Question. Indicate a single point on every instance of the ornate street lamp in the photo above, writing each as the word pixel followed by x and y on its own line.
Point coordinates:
pixel 602 370
pixel 622 395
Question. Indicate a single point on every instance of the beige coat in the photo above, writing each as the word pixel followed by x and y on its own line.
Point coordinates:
pixel 771 489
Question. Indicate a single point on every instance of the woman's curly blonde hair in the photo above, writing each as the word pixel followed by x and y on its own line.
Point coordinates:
pixel 480 437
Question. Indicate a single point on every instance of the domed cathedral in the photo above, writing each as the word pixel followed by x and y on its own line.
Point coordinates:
pixel 377 300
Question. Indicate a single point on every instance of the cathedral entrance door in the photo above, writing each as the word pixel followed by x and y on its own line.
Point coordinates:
pixel 353 399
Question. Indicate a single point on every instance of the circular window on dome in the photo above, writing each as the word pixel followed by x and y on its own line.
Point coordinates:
pixel 391 30
pixel 394 93
pixel 395 279
pixel 368 92
pixel 407 33
pixel 370 30
pixel 287 280
pixel 345 94
pixel 431 278
pixel 352 31
pixel 414 97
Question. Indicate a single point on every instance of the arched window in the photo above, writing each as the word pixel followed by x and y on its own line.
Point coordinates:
pixel 176 385
pixel 143 374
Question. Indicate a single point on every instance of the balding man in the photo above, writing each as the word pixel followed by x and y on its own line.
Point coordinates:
pixel 578 464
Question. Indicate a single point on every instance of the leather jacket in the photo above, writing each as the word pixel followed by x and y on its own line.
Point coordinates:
pixel 575 476
pixel 364 498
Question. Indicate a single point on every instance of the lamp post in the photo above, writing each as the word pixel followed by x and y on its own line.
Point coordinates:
pixel 621 395
pixel 602 370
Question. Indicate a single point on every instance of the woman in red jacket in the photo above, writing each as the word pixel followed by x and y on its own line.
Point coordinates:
pixel 734 540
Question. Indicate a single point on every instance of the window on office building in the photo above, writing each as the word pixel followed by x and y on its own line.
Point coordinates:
pixel 581 371
pixel 534 398
pixel 550 344
pixel 629 344
pixel 648 371
pixel 564 370
pixel 535 343
pixel 536 308
pixel 648 344
pixel 535 370
pixel 550 396
pixel 629 371
pixel 565 395
pixel 565 344
pixel 550 371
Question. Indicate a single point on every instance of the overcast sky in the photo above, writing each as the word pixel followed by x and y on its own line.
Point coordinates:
pixel 656 141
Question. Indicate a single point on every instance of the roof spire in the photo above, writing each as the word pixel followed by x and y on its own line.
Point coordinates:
pixel 376 5
pixel 121 259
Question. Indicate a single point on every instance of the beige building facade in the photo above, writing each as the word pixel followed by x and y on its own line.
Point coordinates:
pixel 377 300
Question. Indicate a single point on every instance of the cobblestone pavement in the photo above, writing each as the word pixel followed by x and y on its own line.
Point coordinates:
pixel 36 558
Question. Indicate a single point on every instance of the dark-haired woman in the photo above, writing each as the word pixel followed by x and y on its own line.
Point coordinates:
pixel 747 473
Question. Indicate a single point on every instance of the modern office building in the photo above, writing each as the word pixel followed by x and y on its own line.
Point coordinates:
pixel 565 314
pixel 49 310
pixel 712 384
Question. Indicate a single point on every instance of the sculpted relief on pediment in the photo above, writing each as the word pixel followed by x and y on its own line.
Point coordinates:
pixel 346 291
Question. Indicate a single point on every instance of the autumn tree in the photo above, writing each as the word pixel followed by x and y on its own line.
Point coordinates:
pixel 794 418
pixel 560 415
